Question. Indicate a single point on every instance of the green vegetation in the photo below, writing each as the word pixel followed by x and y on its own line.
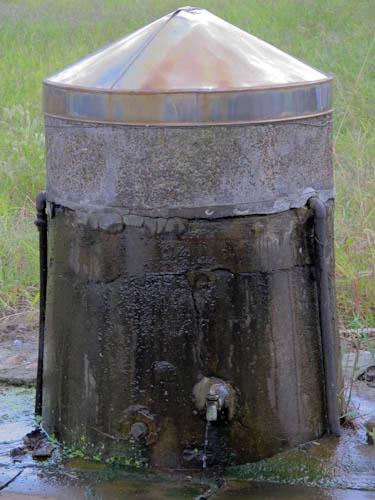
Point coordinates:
pixel 294 467
pixel 86 454
pixel 38 37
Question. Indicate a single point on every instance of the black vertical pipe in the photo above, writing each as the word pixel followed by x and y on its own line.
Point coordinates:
pixel 325 314
pixel 41 223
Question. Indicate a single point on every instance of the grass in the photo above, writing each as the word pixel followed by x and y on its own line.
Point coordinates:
pixel 38 37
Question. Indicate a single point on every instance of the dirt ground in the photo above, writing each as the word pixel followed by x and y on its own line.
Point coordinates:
pixel 18 348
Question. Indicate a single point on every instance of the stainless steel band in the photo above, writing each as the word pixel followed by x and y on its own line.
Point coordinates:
pixel 257 105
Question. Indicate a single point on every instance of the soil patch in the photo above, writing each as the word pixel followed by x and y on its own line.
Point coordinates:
pixel 18 349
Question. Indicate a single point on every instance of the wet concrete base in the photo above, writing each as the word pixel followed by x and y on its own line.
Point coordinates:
pixel 326 469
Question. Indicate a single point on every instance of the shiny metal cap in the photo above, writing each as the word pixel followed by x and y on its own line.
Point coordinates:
pixel 188 68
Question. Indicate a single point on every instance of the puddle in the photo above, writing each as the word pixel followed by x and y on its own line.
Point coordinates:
pixel 347 462
pixel 16 418
pixel 363 400
pixel 138 490
pixel 35 483
pixel 268 491
pixel 94 487
pixel 21 496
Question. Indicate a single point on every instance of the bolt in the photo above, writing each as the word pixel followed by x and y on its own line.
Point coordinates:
pixel 139 430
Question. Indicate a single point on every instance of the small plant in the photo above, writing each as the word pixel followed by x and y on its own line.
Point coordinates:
pixel 38 421
pixel 356 335
pixel 54 442
pixel 89 452
pixel 370 435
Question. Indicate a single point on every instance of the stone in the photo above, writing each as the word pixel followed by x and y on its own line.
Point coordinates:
pixel 17 452
pixel 151 225
pixel 33 438
pixel 355 366
pixel 133 220
pixel 38 442
pixel 43 450
pixel 176 225
pixel 110 223
pixel 160 225
pixel 369 376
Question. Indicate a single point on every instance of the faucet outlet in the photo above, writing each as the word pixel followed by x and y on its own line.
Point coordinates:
pixel 213 396
pixel 212 407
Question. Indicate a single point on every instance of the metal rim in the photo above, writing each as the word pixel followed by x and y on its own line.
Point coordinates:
pixel 186 124
pixel 77 88
pixel 203 107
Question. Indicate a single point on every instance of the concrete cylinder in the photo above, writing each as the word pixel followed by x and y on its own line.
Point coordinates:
pixel 181 260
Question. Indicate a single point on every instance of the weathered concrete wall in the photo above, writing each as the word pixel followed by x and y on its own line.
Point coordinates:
pixel 140 309
pixel 160 274
pixel 190 171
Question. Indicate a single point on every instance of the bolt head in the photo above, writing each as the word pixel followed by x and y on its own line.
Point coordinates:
pixel 139 430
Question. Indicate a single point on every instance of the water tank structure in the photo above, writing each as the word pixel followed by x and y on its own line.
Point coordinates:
pixel 188 304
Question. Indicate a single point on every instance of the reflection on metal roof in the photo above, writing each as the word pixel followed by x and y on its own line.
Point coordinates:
pixel 189 67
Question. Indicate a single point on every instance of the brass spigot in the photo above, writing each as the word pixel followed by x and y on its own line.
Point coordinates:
pixel 212 396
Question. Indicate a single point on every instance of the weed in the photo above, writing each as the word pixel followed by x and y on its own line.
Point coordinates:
pixel 355 338
pixel 371 433
pixel 129 455
pixel 54 442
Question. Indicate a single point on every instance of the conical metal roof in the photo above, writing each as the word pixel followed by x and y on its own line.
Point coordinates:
pixel 188 68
